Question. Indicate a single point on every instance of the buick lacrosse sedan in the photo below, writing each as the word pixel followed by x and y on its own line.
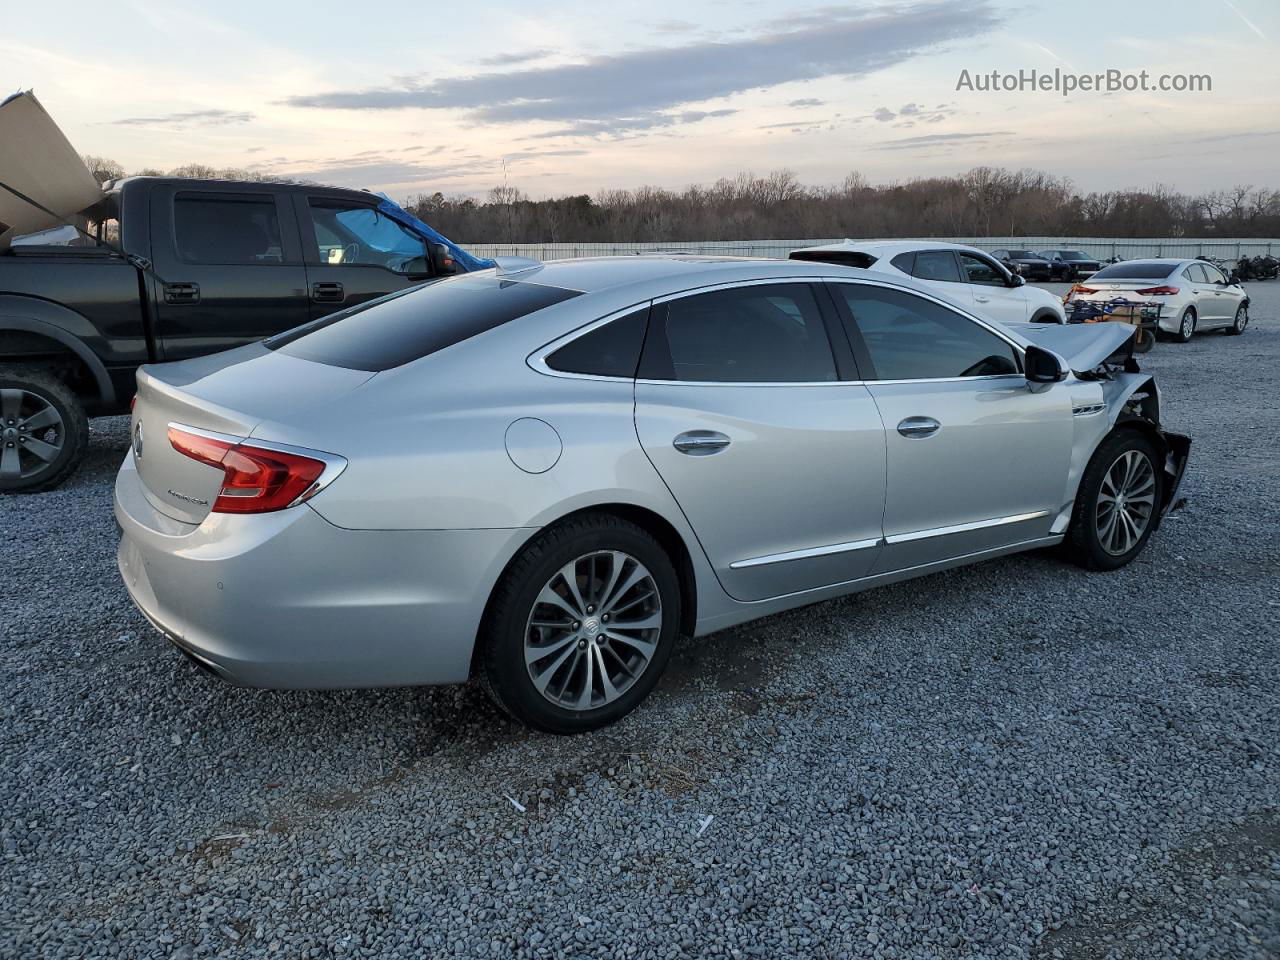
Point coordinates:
pixel 540 475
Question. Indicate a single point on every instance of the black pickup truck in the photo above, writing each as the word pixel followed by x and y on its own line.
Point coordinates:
pixel 189 267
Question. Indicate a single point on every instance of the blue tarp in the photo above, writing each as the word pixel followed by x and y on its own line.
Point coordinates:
pixel 465 260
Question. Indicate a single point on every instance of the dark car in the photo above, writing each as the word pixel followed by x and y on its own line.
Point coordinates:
pixel 1071 264
pixel 1025 263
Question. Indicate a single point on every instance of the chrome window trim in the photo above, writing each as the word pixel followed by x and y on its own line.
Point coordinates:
pixel 807 553
pixel 333 464
pixel 537 360
pixel 964 527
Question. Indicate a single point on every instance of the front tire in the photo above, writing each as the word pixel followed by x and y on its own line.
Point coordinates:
pixel 1118 503
pixel 43 430
pixel 1241 321
pixel 581 626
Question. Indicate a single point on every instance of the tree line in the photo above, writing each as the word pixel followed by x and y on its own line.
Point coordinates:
pixel 984 202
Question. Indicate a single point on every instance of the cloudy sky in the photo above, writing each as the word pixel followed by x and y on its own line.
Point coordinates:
pixel 398 97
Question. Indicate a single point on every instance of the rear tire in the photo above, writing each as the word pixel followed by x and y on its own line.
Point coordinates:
pixel 1186 326
pixel 1118 503
pixel 1240 323
pixel 43 430
pixel 557 656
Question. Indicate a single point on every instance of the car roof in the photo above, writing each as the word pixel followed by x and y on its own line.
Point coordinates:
pixel 886 248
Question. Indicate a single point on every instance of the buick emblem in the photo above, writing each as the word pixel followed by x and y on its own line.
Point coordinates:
pixel 137 440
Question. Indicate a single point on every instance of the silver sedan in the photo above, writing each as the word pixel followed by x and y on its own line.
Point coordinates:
pixel 541 475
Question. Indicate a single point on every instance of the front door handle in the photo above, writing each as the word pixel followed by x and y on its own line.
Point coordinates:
pixel 916 427
pixel 182 293
pixel 700 443
pixel 328 293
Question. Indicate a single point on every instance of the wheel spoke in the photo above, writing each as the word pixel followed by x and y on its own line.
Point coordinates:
pixel 569 574
pixel 542 678
pixel 48 417
pixel 644 646
pixel 551 598
pixel 10 465
pixel 634 601
pixel 588 683
pixel 636 575
pixel 10 404
pixel 533 654
pixel 651 622
pixel 45 451
pixel 616 562
pixel 610 691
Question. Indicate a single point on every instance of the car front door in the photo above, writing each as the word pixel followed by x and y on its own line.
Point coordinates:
pixel 355 253
pixel 757 426
pixel 232 268
pixel 992 295
pixel 977 458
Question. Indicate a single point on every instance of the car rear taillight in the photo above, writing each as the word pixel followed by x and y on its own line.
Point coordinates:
pixel 1081 288
pixel 255 479
pixel 1165 291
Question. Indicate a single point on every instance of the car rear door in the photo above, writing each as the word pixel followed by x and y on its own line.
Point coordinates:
pixel 977 459
pixel 231 264
pixel 1203 295
pixel 941 270
pixel 1225 298
pixel 752 415
pixel 355 252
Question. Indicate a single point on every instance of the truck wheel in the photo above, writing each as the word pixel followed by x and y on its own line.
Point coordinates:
pixel 43 430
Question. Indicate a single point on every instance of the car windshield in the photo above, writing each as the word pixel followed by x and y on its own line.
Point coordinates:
pixel 1136 270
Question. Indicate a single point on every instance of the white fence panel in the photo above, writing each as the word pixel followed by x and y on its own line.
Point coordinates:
pixel 1103 247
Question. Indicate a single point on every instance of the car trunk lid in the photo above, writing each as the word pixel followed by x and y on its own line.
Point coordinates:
pixel 228 395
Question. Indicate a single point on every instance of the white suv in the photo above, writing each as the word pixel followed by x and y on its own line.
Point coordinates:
pixel 972 278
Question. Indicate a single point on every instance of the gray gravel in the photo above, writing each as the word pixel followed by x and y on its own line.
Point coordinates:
pixel 1018 759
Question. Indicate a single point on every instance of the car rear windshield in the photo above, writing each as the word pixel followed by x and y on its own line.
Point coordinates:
pixel 1135 270
pixel 413 323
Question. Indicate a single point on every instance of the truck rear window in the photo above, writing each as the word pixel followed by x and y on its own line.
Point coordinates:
pixel 413 323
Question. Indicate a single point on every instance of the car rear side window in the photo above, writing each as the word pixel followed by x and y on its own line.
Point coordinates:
pixel 910 338
pixel 610 350
pixel 759 333
pixel 221 228
pixel 416 322
pixel 936 265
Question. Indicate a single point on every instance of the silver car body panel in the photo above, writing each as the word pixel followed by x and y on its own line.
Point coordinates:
pixel 389 568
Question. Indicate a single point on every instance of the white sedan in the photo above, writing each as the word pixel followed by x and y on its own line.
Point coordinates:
pixel 971 277
pixel 1195 295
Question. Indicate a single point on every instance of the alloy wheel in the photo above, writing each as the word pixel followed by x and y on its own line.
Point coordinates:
pixel 31 431
pixel 1188 326
pixel 1126 502
pixel 1242 319
pixel 593 630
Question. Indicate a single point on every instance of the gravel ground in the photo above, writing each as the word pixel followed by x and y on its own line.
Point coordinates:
pixel 1018 759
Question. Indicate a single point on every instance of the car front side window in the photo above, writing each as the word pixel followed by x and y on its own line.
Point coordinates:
pixel 758 333
pixel 910 338
pixel 353 234
pixel 978 270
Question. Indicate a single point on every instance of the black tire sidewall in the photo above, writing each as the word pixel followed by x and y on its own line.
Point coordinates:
pixel 1180 336
pixel 1237 327
pixel 1082 536
pixel 503 641
pixel 75 424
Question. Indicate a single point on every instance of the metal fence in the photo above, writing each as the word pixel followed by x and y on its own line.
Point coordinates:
pixel 1102 247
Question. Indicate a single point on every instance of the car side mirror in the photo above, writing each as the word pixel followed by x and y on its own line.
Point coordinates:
pixel 1016 280
pixel 442 260
pixel 1041 366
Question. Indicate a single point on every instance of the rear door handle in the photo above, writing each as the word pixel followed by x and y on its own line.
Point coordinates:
pixel 182 293
pixel 916 427
pixel 983 299
pixel 328 292
pixel 700 443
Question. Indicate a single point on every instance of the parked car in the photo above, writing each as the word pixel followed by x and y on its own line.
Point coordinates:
pixel 1071 264
pixel 1025 263
pixel 970 277
pixel 542 476
pixel 1195 295
pixel 201 265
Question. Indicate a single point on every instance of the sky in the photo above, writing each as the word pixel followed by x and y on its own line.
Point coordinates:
pixel 577 97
